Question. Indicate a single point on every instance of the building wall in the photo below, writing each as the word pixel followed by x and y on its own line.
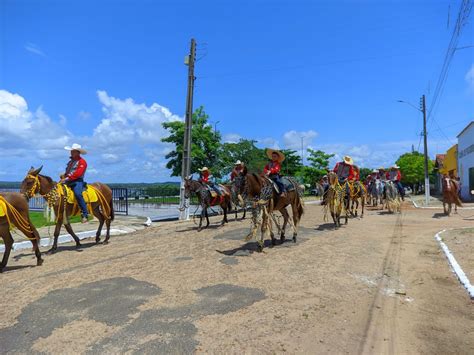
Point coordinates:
pixel 466 162
pixel 450 163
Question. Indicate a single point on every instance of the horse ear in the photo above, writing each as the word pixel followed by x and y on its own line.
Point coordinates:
pixel 34 171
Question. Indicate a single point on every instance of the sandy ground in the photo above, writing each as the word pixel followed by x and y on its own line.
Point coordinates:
pixel 378 285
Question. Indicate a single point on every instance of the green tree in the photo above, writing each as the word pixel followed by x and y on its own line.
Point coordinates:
pixel 292 163
pixel 318 163
pixel 205 145
pixel 364 172
pixel 244 150
pixel 412 167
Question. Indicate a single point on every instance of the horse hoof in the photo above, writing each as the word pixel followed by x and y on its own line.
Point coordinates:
pixel 273 242
pixel 294 239
pixel 282 238
pixel 78 245
pixel 97 240
pixel 39 262
pixel 259 249
pixel 105 242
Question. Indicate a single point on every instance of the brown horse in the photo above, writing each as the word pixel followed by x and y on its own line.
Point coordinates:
pixel 358 192
pixel 450 195
pixel 206 200
pixel 260 191
pixel 16 213
pixel 236 200
pixel 103 210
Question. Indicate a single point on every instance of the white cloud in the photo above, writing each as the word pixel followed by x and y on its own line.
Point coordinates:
pixel 35 49
pixel 231 138
pixel 470 78
pixel 292 139
pixel 269 142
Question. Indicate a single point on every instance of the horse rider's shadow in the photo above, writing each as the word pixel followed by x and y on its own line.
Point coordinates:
pixel 195 228
pixel 385 213
pixel 439 215
pixel 73 248
pixel 17 267
pixel 249 248
pixel 325 227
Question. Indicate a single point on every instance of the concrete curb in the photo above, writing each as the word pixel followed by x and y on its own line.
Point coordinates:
pixel 64 238
pixel 455 267
pixel 437 208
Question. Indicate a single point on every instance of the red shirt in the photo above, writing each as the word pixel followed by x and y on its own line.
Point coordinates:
pixel 205 177
pixel 342 169
pixel 393 175
pixel 76 169
pixel 273 167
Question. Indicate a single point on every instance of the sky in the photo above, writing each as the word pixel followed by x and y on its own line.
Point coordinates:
pixel 106 74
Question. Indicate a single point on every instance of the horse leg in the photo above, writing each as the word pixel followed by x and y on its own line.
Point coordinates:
pixel 363 206
pixel 272 235
pixel 203 209
pixel 8 241
pixel 73 235
pixel 57 230
pixel 35 238
pixel 101 219
pixel 207 218
pixel 286 216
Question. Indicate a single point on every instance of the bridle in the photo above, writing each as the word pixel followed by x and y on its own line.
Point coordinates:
pixel 35 188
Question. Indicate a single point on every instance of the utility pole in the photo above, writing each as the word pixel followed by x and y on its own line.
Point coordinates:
pixel 302 151
pixel 425 142
pixel 186 163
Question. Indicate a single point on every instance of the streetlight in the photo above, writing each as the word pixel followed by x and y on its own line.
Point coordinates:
pixel 425 141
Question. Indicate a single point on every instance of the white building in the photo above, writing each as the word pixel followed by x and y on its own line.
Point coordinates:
pixel 466 161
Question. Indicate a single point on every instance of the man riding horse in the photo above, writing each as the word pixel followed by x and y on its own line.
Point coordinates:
pixel 273 168
pixel 238 167
pixel 395 176
pixel 345 172
pixel 74 177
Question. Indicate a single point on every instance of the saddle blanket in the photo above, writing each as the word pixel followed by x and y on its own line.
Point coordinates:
pixel 286 182
pixel 3 208
pixel 214 193
pixel 89 194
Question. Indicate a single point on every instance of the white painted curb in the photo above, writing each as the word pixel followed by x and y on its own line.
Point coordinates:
pixel 437 208
pixel 454 265
pixel 65 238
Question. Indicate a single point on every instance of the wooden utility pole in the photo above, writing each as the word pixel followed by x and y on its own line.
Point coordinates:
pixel 425 143
pixel 186 163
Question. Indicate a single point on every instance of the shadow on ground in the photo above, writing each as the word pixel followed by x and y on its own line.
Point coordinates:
pixel 113 302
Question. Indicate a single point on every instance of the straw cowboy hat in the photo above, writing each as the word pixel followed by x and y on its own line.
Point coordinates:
pixel 203 169
pixel 238 162
pixel 382 168
pixel 348 160
pixel 77 147
pixel 270 152
pixel 395 166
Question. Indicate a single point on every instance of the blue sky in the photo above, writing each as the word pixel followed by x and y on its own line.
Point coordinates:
pixel 106 74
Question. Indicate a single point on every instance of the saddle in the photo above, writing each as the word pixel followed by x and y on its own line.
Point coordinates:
pixel 89 195
pixel 286 182
pixel 3 208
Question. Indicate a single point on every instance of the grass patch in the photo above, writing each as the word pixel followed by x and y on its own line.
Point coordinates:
pixel 38 220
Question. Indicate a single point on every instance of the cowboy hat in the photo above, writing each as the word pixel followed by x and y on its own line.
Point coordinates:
pixel 382 168
pixel 270 152
pixel 375 171
pixel 77 147
pixel 395 167
pixel 203 169
pixel 238 162
pixel 348 160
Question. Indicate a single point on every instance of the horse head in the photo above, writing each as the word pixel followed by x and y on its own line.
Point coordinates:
pixel 332 178
pixel 31 184
pixel 239 181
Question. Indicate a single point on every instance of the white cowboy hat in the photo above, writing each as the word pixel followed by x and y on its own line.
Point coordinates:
pixel 203 169
pixel 382 168
pixel 348 160
pixel 395 167
pixel 375 171
pixel 77 147
pixel 270 152
pixel 238 162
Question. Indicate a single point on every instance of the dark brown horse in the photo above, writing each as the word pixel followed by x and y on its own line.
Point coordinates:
pixel 358 192
pixel 259 190
pixel 236 200
pixel 206 200
pixel 103 210
pixel 15 212
pixel 450 195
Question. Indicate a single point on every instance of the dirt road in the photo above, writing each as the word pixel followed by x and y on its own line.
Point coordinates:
pixel 378 285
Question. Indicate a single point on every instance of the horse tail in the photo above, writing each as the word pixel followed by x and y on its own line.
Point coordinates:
pixel 112 212
pixel 457 200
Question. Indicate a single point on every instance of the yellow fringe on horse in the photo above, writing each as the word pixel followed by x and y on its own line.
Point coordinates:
pixel 91 195
pixel 24 224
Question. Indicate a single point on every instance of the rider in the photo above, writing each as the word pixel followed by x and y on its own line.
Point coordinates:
pixel 238 167
pixel 345 171
pixel 382 174
pixel 272 169
pixel 74 176
pixel 205 178
pixel 394 175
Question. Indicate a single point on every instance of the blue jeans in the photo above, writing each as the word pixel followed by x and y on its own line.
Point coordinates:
pixel 78 187
pixel 400 188
pixel 277 179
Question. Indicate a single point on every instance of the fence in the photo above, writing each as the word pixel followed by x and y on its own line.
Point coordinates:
pixel 119 197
